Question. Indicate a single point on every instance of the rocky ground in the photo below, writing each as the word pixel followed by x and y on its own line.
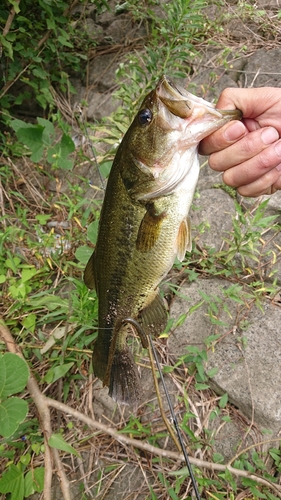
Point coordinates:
pixel 248 353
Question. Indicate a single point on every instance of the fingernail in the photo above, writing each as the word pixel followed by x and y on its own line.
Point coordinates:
pixel 234 131
pixel 277 148
pixel 269 135
pixel 278 167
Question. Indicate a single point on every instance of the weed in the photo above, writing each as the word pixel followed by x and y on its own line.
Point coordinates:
pixel 47 236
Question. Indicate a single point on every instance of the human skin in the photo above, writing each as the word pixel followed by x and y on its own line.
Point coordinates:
pixel 248 152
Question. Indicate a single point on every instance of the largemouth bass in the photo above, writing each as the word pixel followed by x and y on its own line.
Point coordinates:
pixel 144 225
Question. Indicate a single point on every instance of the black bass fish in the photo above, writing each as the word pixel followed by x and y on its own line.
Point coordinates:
pixel 144 225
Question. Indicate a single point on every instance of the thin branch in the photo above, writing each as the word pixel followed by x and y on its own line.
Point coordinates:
pixel 45 421
pixel 122 438
pixel 10 20
pixel 43 404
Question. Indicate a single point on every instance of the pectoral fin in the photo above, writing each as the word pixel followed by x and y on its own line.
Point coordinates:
pixel 89 277
pixel 184 241
pixel 149 229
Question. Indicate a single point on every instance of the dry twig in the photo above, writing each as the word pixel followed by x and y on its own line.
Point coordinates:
pixel 43 404
pixel 45 421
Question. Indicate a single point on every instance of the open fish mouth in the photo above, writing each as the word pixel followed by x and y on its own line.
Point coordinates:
pixel 183 104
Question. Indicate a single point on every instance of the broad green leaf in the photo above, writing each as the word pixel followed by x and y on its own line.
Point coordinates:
pixel 12 482
pixel 57 372
pixel 17 124
pixel 105 168
pixel 49 129
pixel 29 322
pixel 83 254
pixel 39 73
pixel 181 472
pixel 34 481
pixel 67 145
pixel 32 137
pixel 63 41
pixel 12 412
pixel 58 442
pixel 65 164
pixel 92 232
pixel 7 45
pixel 15 5
pixel 13 374
pixel 51 302
pixel 201 387
pixel 211 373
pixel 223 400
pixel 27 274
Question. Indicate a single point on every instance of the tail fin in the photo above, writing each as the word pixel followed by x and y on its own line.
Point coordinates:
pixel 124 385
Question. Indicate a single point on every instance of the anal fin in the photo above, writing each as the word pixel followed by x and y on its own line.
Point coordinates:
pixel 153 317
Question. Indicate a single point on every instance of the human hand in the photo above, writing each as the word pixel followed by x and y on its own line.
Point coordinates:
pixel 248 152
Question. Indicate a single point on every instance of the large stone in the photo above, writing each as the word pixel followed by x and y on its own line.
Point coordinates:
pixel 262 69
pixel 215 208
pixel 247 352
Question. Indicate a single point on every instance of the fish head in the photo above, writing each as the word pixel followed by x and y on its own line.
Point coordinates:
pixel 163 139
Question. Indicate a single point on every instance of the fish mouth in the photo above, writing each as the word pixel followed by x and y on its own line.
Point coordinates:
pixel 183 104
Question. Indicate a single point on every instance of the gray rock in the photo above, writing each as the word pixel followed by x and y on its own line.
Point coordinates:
pixel 247 356
pixel 101 74
pixel 262 69
pixel 215 208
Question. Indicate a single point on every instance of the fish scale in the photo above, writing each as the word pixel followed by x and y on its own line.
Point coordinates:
pixel 144 226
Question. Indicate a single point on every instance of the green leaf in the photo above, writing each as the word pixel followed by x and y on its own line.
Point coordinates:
pixel 223 401
pixel 67 145
pixel 49 129
pixel 211 373
pixel 17 124
pixel 201 387
pixel 58 442
pixel 63 41
pixel 29 322
pixel 15 5
pixel 12 482
pixel 8 46
pixel 34 481
pixel 105 168
pixel 92 232
pixel 65 164
pixel 57 372
pixel 12 412
pixel 32 137
pixel 83 254
pixel 27 274
pixel 13 374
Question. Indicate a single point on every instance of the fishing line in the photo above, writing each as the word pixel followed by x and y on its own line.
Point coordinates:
pixel 143 337
pixel 175 421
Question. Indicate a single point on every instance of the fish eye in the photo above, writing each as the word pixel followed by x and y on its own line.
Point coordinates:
pixel 145 116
